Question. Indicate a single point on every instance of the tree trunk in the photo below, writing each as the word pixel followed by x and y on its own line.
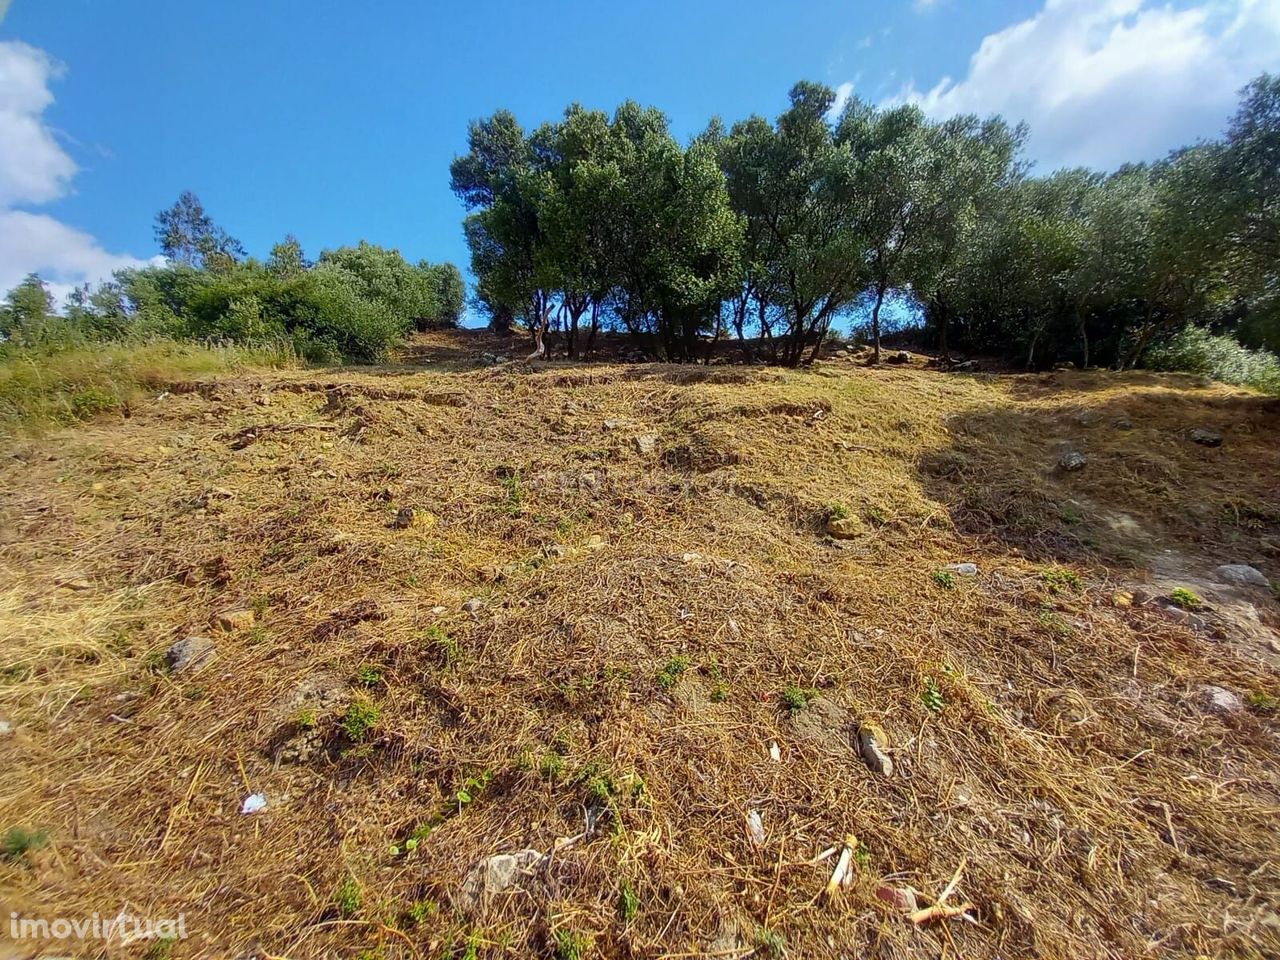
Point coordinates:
pixel 595 328
pixel 875 322
pixel 942 329
pixel 1144 337
pixel 1084 338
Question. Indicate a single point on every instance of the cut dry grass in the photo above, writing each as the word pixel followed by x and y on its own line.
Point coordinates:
pixel 1097 810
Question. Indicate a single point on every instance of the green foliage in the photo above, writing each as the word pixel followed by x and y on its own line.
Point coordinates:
pixel 572 945
pixel 931 695
pixel 349 897
pixel 838 511
pixel 671 671
pixel 1195 350
pixel 1052 621
pixel 442 645
pixel 1261 702
pixel 188 235
pixel 368 675
pixel 628 902
pixel 18 841
pixel 161 949
pixel 945 579
pixel 770 944
pixel 1058 580
pixel 1186 599
pixel 796 698
pixel 360 719
pixel 62 384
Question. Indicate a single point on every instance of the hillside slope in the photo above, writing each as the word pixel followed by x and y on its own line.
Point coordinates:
pixel 591 612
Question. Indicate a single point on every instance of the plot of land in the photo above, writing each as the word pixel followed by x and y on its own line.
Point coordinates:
pixel 590 616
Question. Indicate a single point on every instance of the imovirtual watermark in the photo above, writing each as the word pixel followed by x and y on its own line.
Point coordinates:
pixel 122 928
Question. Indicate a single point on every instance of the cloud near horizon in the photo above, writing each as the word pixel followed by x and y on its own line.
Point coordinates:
pixel 35 170
pixel 1102 82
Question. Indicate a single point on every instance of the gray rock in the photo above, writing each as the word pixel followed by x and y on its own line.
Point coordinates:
pixel 965 366
pixel 871 744
pixel 646 444
pixel 1218 700
pixel 844 528
pixel 494 875
pixel 1207 438
pixel 473 605
pixel 1123 423
pixel 964 569
pixel 6 728
pixel 1072 461
pixel 190 654
pixel 1243 575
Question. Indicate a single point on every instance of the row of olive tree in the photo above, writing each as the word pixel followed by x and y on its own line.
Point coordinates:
pixel 352 303
pixel 773 231
pixel 1099 268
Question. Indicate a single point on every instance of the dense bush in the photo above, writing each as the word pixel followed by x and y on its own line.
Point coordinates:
pixel 1195 350
pixel 355 303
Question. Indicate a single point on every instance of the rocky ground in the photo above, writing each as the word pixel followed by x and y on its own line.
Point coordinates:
pixel 457 657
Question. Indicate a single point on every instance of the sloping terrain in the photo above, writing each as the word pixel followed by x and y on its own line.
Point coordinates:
pixel 589 616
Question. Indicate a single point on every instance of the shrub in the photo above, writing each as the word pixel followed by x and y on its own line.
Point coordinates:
pixel 1196 350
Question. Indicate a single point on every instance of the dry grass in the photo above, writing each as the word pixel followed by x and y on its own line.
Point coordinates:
pixel 1097 810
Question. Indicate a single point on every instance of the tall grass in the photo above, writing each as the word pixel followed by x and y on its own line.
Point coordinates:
pixel 58 384
pixel 1196 350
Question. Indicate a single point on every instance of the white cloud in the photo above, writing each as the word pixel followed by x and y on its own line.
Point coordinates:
pixel 843 93
pixel 1105 81
pixel 35 169
pixel 923 5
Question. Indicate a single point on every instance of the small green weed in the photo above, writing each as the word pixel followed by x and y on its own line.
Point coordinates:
pixel 1185 598
pixel 162 949
pixel 770 943
pixel 92 401
pixel 628 902
pixel 18 841
pixel 838 511
pixel 306 719
pixel 420 911
pixel 1058 580
pixel 349 897
pixel 945 579
pixel 796 698
pixel 1261 702
pixel 671 671
pixel 931 695
pixel 368 675
pixel 1053 622
pixel 515 492
pixel 442 645
pixel 551 766
pixel 572 945
pixel 360 719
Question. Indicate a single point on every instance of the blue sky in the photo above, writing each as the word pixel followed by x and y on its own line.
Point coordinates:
pixel 337 121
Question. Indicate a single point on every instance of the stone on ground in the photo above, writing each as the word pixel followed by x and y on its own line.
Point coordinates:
pixel 189 654
pixel 494 875
pixel 1218 700
pixel 1243 575
pixel 1207 438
